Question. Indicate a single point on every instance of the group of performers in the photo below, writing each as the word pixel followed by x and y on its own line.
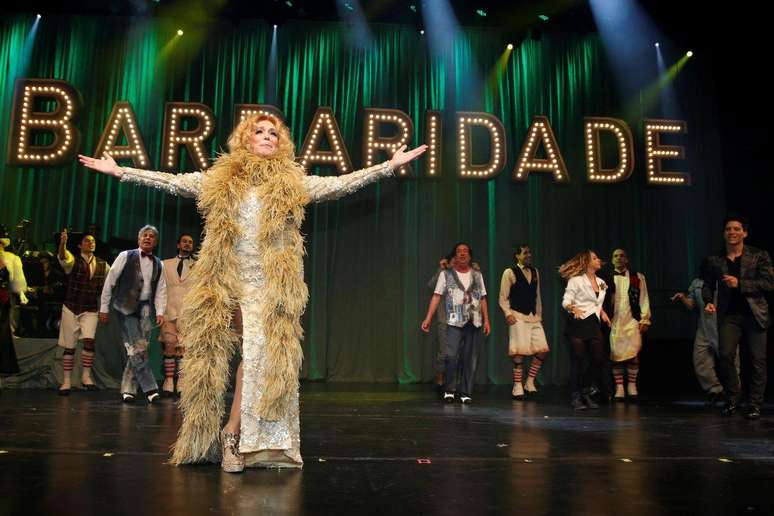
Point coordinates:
pixel 621 303
pixel 608 311
pixel 253 201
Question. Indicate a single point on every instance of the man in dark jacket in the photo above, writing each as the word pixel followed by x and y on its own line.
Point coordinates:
pixel 742 275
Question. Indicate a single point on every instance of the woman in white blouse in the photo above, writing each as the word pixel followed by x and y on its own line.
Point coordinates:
pixel 583 299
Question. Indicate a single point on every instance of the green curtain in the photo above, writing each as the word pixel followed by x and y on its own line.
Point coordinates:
pixel 370 255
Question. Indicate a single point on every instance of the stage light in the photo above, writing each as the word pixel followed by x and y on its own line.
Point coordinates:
pixel 543 17
pixel 510 46
pixel 289 3
pixel 422 32
pixel 481 12
pixel 657 44
pixel 39 16
pixel 179 32
pixel 413 7
pixel 689 53
pixel 275 26
pixel 348 6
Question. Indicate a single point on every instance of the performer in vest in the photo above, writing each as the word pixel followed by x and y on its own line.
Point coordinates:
pixel 85 278
pixel 176 274
pixel 464 296
pixel 136 289
pixel 523 309
pixel 630 318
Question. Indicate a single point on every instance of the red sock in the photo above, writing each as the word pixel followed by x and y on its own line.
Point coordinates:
pixel 67 362
pixel 518 373
pixel 169 367
pixel 534 368
pixel 87 359
pixel 618 374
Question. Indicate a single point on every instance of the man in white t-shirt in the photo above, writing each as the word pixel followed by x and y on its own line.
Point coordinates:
pixel 464 295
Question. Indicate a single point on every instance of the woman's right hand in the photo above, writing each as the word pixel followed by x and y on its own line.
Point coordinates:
pixel 577 312
pixel 106 165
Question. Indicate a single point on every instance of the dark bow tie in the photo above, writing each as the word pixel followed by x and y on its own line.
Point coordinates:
pixel 146 255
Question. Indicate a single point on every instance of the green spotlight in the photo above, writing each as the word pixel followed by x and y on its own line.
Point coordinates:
pixel 413 7
pixel 179 32
pixel 510 46
pixel 689 53
pixel 481 12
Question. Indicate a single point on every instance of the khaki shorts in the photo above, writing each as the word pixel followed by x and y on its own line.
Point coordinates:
pixel 526 338
pixel 75 327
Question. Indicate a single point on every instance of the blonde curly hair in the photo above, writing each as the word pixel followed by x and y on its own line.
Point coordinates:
pixel 577 265
pixel 240 137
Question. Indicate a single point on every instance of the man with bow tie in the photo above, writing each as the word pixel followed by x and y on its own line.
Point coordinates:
pixel 630 318
pixel 136 289
pixel 176 273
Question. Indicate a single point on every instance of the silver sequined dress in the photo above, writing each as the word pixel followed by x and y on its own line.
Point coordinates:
pixel 258 435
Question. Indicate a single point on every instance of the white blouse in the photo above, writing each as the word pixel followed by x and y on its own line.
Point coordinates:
pixel 580 294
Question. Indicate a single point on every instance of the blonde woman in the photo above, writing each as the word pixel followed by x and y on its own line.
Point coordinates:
pixel 252 200
pixel 583 299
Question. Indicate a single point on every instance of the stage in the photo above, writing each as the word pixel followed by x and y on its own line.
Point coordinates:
pixel 379 449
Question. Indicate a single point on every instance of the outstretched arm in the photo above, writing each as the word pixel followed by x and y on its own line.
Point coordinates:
pixel 183 185
pixel 330 188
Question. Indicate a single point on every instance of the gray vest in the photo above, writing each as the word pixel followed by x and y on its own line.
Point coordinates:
pixel 126 296
pixel 463 305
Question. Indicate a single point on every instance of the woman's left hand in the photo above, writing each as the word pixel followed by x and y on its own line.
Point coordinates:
pixel 401 157
pixel 605 318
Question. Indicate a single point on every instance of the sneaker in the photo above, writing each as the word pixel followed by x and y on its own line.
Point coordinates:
pixel 153 398
pixel 577 403
pixel 729 409
pixel 753 412
pixel 518 391
pixel 465 399
pixel 448 397
pixel 127 398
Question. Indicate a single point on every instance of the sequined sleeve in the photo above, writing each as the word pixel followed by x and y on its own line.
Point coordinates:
pixel 334 187
pixel 183 185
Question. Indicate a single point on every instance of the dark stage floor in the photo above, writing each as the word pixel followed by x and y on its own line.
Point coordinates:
pixel 393 450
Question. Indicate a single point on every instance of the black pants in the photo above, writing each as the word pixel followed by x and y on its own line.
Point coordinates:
pixel 588 353
pixel 731 330
pixel 462 350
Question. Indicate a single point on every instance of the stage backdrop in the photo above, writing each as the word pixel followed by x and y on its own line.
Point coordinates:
pixel 370 255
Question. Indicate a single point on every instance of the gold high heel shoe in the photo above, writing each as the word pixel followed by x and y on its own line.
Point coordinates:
pixel 233 461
